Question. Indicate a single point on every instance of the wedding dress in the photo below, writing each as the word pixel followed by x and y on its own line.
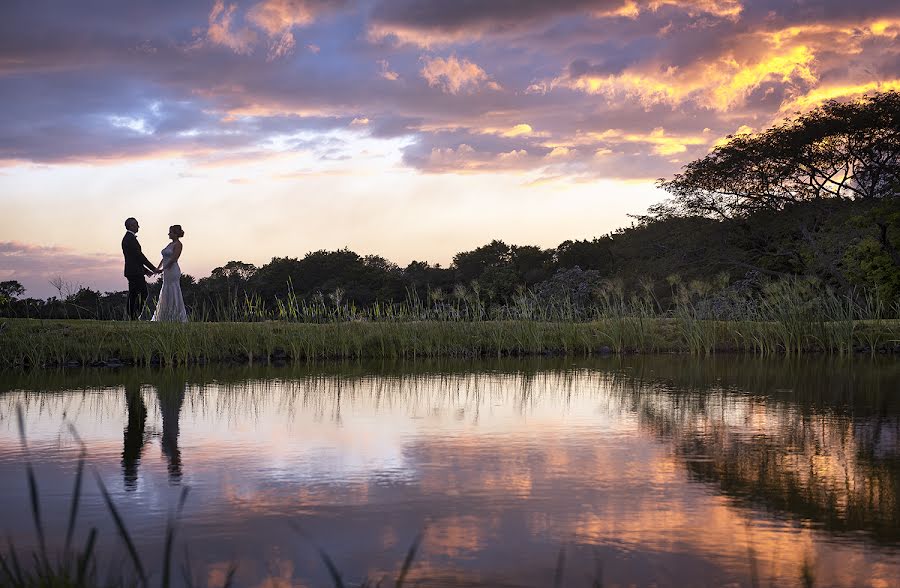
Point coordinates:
pixel 170 308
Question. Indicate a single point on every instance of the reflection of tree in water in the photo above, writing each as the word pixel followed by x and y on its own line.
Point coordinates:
pixel 787 446
pixel 170 395
pixel 815 439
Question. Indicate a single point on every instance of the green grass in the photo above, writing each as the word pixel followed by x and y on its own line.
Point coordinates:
pixel 47 343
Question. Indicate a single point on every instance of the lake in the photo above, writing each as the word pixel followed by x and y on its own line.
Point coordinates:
pixel 646 471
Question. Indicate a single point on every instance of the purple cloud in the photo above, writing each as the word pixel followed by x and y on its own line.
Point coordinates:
pixel 612 88
pixel 35 266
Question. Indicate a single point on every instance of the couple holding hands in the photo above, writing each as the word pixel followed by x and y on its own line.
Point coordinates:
pixel 170 307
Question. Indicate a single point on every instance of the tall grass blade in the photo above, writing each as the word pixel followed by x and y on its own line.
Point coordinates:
pixel 407 562
pixel 86 557
pixel 229 577
pixel 123 532
pixel 181 500
pixel 76 493
pixel 806 575
pixel 186 572
pixel 32 486
pixel 11 577
pixel 332 569
pixel 170 538
pixel 560 564
pixel 16 568
pixel 598 570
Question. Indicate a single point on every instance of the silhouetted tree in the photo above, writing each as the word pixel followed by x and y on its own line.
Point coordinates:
pixel 847 150
pixel 11 289
pixel 470 265
pixel 595 254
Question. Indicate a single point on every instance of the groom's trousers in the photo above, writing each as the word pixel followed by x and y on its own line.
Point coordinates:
pixel 137 295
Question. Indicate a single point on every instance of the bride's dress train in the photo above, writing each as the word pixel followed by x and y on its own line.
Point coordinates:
pixel 170 308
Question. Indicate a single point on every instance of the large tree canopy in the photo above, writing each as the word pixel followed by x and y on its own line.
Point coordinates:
pixel 846 150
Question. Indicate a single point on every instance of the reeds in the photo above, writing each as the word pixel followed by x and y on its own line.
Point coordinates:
pixel 76 567
pixel 787 317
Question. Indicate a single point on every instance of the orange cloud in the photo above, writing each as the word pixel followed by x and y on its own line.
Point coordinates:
pixel 454 75
pixel 730 9
pixel 832 92
pixel 386 72
pixel 220 30
pixel 466 159
pixel 277 18
pixel 722 8
pixel 406 31
pixel 722 84
pixel 662 143
pixel 793 57
pixel 411 35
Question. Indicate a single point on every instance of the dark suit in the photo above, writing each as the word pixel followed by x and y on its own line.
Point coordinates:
pixel 136 267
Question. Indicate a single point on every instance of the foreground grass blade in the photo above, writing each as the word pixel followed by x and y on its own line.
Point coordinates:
pixel 170 538
pixel 229 577
pixel 86 557
pixel 123 532
pixel 32 487
pixel 332 569
pixel 12 577
pixel 186 572
pixel 410 555
pixel 598 570
pixel 16 568
pixel 560 564
pixel 76 493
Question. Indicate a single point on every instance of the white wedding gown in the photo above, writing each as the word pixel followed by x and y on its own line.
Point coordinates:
pixel 170 308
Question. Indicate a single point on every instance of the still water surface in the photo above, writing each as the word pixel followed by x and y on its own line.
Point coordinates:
pixel 659 471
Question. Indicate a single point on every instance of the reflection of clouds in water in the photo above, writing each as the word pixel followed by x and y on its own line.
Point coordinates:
pixel 495 463
pixel 459 536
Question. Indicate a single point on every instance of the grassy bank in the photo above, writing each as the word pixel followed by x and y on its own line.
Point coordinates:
pixel 29 342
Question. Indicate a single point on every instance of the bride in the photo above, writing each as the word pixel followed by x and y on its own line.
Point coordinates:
pixel 171 303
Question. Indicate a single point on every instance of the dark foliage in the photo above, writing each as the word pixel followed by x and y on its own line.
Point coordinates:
pixel 816 196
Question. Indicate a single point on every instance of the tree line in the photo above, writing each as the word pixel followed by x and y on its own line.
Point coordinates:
pixel 814 197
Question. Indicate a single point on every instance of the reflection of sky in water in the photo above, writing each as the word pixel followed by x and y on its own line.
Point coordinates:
pixel 660 482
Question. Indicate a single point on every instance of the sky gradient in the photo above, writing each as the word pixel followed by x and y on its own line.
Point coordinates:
pixel 403 128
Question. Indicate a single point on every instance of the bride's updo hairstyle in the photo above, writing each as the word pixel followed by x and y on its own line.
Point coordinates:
pixel 177 231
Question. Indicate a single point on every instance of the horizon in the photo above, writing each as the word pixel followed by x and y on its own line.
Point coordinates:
pixel 406 129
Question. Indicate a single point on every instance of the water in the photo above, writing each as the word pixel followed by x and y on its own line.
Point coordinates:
pixel 663 471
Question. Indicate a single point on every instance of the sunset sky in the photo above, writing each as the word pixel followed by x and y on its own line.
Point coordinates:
pixel 410 129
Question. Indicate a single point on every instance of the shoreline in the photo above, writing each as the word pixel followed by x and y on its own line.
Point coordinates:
pixel 37 343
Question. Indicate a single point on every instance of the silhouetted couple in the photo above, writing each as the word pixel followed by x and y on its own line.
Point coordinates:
pixel 170 307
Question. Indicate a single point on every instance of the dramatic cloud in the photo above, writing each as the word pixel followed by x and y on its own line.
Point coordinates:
pixel 455 75
pixel 222 32
pixel 790 61
pixel 575 88
pixel 429 23
pixel 274 19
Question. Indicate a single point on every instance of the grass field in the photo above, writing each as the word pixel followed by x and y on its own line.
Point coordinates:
pixel 30 342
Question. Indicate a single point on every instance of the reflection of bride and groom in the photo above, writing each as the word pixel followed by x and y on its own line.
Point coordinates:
pixel 170 396
pixel 170 307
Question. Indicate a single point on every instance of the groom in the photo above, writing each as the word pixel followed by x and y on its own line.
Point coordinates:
pixel 136 267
